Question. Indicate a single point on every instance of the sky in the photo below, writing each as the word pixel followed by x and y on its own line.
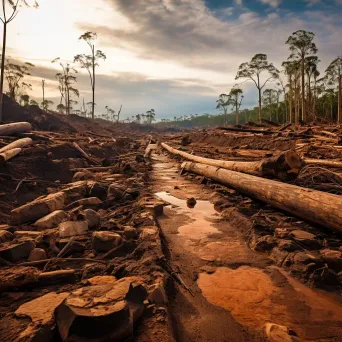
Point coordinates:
pixel 176 56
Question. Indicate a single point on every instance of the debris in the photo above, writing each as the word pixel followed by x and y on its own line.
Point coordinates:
pixel 57 277
pixel 52 220
pixel 37 254
pixel 20 143
pixel 15 128
pixel 16 277
pixel 7 155
pixel 16 252
pixel 73 228
pixel 93 218
pixel 279 333
pixel 105 241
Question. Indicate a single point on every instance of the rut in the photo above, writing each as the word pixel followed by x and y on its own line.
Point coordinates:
pixel 234 291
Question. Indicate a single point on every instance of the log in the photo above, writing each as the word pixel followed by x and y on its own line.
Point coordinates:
pixel 7 155
pixel 284 127
pixel 248 130
pixel 17 144
pixel 84 154
pixel 323 162
pixel 15 128
pixel 284 166
pixel 310 205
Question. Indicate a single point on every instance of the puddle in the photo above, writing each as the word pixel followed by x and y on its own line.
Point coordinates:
pixel 201 216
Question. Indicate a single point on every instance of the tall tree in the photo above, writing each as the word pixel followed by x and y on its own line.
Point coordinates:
pixel 253 70
pixel 223 103
pixel 67 80
pixel 302 46
pixel 334 75
pixel 46 104
pixel 151 116
pixel 90 62
pixel 10 9
pixel 269 98
pixel 236 98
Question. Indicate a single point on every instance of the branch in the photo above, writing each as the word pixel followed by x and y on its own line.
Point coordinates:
pixel 267 81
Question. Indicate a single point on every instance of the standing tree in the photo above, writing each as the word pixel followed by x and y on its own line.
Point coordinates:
pixel 223 103
pixel 46 104
pixel 302 46
pixel 13 7
pixel 151 116
pixel 252 70
pixel 90 62
pixel 269 98
pixel 333 75
pixel 236 98
pixel 66 81
pixel 43 88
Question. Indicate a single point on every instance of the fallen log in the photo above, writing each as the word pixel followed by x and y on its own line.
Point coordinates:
pixel 310 205
pixel 84 154
pixel 15 128
pixel 248 130
pixel 17 144
pixel 324 162
pixel 284 166
pixel 7 155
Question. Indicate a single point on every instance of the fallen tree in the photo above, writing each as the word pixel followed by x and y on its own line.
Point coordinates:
pixel 17 144
pixel 15 128
pixel 284 166
pixel 248 130
pixel 7 155
pixel 323 162
pixel 310 205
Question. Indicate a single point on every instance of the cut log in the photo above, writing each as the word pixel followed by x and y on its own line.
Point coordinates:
pixel 310 205
pixel 7 155
pixel 284 166
pixel 17 144
pixel 15 128
pixel 248 130
pixel 84 154
pixel 323 162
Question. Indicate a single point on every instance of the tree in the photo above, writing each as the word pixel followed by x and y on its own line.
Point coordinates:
pixel 138 118
pixel 13 7
pixel 252 71
pixel 302 46
pixel 14 75
pixel 25 99
pixel 90 62
pixel 236 98
pixel 46 104
pixel 151 116
pixel 333 75
pixel 269 98
pixel 66 80
pixel 223 103
pixel 33 102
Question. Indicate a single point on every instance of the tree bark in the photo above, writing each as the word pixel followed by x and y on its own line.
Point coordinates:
pixel 3 57
pixel 15 128
pixel 16 144
pixel 303 89
pixel 248 130
pixel 339 101
pixel 284 166
pixel 314 206
pixel 93 104
pixel 323 162
pixel 7 155
pixel 260 110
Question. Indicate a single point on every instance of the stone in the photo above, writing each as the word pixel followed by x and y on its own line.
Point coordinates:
pixel 158 295
pixel 41 312
pixel 102 312
pixel 333 258
pixel 52 220
pixel 279 333
pixel 16 252
pixel 115 191
pixel 75 191
pixel 73 228
pixel 264 243
pixel 5 236
pixel 305 238
pixel 154 206
pixel 16 277
pixel 97 190
pixel 101 280
pixel 130 233
pixel 91 270
pixel 37 254
pixel 287 245
pixel 105 241
pixel 37 209
pixel 149 232
pixel 281 233
pixel 191 202
pixel 93 218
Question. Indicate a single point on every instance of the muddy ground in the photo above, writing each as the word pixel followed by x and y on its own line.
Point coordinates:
pixel 117 245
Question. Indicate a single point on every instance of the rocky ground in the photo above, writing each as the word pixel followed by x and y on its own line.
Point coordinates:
pixel 103 240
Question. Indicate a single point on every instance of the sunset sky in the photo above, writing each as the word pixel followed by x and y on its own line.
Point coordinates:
pixel 175 56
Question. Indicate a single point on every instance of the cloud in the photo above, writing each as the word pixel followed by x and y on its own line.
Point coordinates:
pixel 272 3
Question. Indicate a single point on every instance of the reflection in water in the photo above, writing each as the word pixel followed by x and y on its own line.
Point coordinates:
pixel 201 213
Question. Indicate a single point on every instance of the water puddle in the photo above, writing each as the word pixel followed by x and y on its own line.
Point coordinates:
pixel 201 216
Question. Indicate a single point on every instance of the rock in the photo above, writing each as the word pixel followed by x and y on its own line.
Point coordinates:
pixel 93 218
pixel 303 258
pixel 139 158
pixel 52 220
pixel 88 202
pixel 16 277
pixel 37 254
pixel 97 190
pixel 287 245
pixel 115 191
pixel 279 333
pixel 154 206
pixel 149 232
pixel 73 228
pixel 102 280
pixel 16 252
pixel 158 295
pixel 130 233
pixel 191 202
pixel 102 312
pixel 226 214
pixel 105 241
pixel 185 140
pixel 40 207
pixel 332 258
pixel 75 191
pixel 57 277
pixel 5 236
pixel 41 313
pixel 133 192
pixel 90 270
pixel 82 175
pixel 264 243
pixel 305 238
pixel 281 233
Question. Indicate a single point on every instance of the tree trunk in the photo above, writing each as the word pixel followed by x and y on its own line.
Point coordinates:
pixel 93 104
pixel 303 90
pixel 339 101
pixel 260 110
pixel 315 206
pixel 236 113
pixel 7 155
pixel 284 166
pixel 17 144
pixel 3 57
pixel 323 162
pixel 15 128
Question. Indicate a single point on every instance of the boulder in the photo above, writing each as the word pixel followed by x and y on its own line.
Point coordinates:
pixel 73 228
pixel 105 241
pixel 37 254
pixel 5 236
pixel 16 252
pixel 91 270
pixel 52 220
pixel 93 218
pixel 41 312
pixel 37 209
pixel 102 312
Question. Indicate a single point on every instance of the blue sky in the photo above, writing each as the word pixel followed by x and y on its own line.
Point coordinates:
pixel 175 56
